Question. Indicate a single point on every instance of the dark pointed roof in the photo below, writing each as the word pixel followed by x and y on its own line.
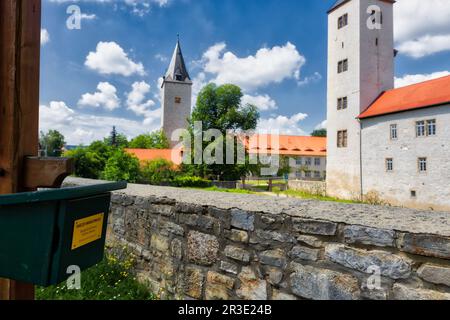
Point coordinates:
pixel 337 4
pixel 177 70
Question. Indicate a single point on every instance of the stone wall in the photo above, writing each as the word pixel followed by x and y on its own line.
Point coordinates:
pixel 206 245
pixel 312 187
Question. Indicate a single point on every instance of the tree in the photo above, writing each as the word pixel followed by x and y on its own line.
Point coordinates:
pixel 158 171
pixel 90 161
pixel 153 140
pixel 220 107
pixel 122 166
pixel 52 143
pixel 116 139
pixel 319 133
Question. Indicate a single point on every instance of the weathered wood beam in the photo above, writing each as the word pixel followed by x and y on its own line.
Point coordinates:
pixel 46 172
pixel 20 27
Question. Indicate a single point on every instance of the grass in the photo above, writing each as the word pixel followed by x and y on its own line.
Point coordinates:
pixel 306 195
pixel 216 189
pixel 112 279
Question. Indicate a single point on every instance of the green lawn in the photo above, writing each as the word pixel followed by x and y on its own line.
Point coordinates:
pixel 306 195
pixel 112 279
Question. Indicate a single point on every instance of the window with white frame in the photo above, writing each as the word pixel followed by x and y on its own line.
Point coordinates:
pixel 431 127
pixel 317 174
pixel 298 161
pixel 389 164
pixel 308 161
pixel 420 129
pixel 307 174
pixel 423 165
pixel 317 162
pixel 394 132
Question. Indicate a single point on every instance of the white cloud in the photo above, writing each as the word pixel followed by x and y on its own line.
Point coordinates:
pixel 105 97
pixel 161 57
pixel 316 77
pixel 137 102
pixel 81 128
pixel 267 66
pixel 322 125
pixel 262 102
pixel 416 78
pixel 45 37
pixel 422 27
pixel 425 46
pixel 110 58
pixel 283 124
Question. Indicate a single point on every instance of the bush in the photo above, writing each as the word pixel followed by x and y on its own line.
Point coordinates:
pixel 122 166
pixel 112 279
pixel 158 171
pixel 192 182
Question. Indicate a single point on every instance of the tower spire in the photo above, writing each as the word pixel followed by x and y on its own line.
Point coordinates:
pixel 177 70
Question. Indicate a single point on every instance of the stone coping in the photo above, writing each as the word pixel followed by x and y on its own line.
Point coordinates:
pixel 391 218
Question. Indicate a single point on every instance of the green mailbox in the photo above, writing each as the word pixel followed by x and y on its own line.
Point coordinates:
pixel 43 233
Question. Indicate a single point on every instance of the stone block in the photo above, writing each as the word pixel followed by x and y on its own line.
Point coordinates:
pixel 322 284
pixel 275 236
pixel 275 258
pixel 251 287
pixel 159 243
pixel 404 292
pixel 425 245
pixel 242 220
pixel 203 249
pixel 273 275
pixel 237 253
pixel 308 226
pixel 435 274
pixel 238 236
pixel 304 253
pixel 310 241
pixel 193 282
pixel 228 267
pixel 369 236
pixel 390 265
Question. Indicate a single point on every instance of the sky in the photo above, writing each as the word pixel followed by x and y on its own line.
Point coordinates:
pixel 108 71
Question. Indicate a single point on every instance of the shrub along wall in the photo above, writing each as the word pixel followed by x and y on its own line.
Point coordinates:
pixel 205 245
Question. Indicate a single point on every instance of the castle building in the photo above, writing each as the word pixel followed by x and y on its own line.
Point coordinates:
pixel 385 142
pixel 176 95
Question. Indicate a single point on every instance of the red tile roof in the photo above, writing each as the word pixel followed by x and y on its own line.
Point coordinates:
pixel 287 145
pixel 173 155
pixel 421 95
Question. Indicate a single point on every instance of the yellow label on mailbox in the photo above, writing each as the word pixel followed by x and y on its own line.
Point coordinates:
pixel 87 230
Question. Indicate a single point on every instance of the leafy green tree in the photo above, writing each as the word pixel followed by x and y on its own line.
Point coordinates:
pixel 158 171
pixel 52 143
pixel 116 139
pixel 122 166
pixel 319 133
pixel 221 108
pixel 90 161
pixel 153 140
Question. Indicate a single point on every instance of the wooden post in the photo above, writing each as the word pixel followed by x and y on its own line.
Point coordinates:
pixel 20 27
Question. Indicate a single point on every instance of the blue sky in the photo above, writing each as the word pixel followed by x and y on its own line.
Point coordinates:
pixel 107 72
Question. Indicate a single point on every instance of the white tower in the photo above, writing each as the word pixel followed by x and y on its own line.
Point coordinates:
pixel 176 95
pixel 360 68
